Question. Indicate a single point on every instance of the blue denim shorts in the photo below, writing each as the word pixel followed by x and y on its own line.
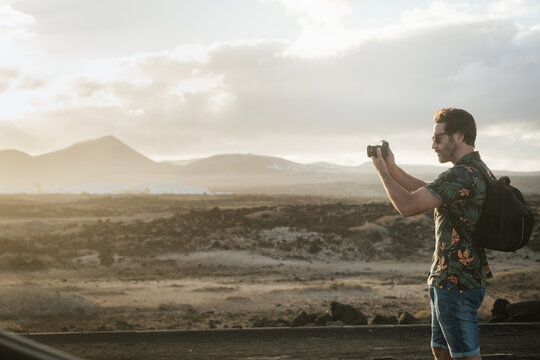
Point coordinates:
pixel 454 319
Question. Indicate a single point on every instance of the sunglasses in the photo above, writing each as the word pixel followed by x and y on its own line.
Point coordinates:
pixel 437 137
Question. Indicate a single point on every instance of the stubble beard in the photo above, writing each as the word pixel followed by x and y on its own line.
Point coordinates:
pixel 446 154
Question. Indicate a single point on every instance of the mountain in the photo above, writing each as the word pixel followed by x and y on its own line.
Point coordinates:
pixel 240 164
pixel 107 165
pixel 106 152
pixel 16 166
pixel 103 160
pixel 98 159
pixel 333 168
pixel 179 162
pixel 14 156
pixel 234 171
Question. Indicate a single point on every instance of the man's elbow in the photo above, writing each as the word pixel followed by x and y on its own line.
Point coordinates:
pixel 407 211
pixel 417 203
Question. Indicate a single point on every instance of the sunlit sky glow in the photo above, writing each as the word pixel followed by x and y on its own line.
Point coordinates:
pixel 306 80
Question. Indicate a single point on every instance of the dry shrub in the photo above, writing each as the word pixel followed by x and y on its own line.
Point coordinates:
pixel 389 220
pixel 372 231
pixel 516 280
pixel 424 316
pixel 215 289
pixel 42 304
pixel 24 262
pixel 295 243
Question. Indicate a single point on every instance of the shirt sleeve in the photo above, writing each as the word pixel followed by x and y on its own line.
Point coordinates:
pixel 452 185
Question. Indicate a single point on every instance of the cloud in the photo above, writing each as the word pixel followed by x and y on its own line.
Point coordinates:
pixel 515 131
pixel 6 76
pixel 198 100
pixel 322 33
pixel 513 8
pixel 258 97
pixel 14 30
pixel 14 79
pixel 438 13
pixel 218 98
pixel 14 24
pixel 513 145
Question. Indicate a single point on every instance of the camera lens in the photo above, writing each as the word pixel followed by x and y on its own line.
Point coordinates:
pixel 370 151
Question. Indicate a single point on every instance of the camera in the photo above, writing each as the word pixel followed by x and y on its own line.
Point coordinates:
pixel 372 149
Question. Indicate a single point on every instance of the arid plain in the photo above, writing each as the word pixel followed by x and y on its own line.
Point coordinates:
pixel 74 263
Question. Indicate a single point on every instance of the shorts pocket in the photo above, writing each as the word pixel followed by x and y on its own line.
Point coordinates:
pixel 469 304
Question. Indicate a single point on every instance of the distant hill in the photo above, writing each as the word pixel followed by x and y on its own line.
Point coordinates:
pixel 102 159
pixel 12 160
pixel 106 152
pixel 239 164
pixel 179 162
pixel 108 165
pixel 106 160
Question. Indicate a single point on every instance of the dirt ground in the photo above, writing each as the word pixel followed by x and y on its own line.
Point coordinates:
pixel 109 263
pixel 497 342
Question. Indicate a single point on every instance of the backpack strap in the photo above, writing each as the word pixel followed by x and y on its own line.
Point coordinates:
pixel 487 177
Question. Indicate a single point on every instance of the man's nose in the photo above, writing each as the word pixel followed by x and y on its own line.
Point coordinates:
pixel 434 145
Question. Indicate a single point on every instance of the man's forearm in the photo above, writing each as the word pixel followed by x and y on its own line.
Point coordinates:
pixel 408 182
pixel 397 193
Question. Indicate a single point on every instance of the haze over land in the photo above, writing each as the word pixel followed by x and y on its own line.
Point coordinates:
pixel 106 165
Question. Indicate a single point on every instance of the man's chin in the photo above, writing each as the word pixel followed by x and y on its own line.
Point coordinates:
pixel 441 159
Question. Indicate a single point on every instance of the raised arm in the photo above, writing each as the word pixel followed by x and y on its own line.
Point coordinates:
pixel 410 183
pixel 405 201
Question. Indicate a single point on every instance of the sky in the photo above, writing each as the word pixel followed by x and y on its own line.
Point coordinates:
pixel 306 80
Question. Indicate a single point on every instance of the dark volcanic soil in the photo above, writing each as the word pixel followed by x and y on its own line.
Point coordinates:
pixel 108 263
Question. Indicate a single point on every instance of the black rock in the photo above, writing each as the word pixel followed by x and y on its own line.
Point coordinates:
pixel 534 242
pixel 384 320
pixel 347 314
pixel 498 319
pixel 124 325
pixel 323 319
pixel 165 307
pixel 406 318
pixel 303 319
pixel 215 213
pixel 524 317
pixel 524 307
pixel 281 323
pixel 499 309
pixel 264 322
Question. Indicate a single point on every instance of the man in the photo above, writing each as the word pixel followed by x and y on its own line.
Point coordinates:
pixel 458 274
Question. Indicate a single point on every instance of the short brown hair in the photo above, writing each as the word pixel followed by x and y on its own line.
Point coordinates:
pixel 457 120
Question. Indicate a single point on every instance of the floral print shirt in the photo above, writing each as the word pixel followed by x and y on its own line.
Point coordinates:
pixel 463 192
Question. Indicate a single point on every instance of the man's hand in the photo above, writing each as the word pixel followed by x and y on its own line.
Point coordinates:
pixel 408 194
pixel 390 160
pixel 379 162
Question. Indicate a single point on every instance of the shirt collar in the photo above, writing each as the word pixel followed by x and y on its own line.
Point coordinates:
pixel 473 156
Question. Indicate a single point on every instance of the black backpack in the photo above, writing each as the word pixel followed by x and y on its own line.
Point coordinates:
pixel 505 224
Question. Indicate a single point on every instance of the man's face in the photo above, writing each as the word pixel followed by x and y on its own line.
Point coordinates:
pixel 443 143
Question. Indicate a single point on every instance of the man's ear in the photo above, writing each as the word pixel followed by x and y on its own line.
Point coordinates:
pixel 460 137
